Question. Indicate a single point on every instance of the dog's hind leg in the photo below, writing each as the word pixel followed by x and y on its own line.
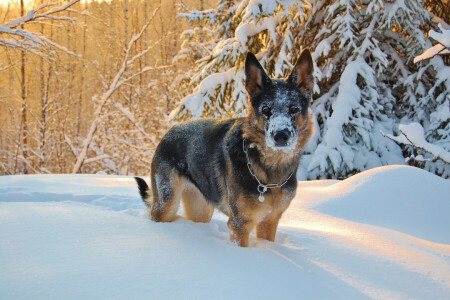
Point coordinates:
pixel 196 208
pixel 166 189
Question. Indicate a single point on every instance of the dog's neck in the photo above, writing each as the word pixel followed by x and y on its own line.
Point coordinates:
pixel 269 164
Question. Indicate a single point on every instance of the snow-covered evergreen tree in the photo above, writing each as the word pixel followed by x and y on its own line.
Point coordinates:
pixel 435 107
pixel 237 27
pixel 366 81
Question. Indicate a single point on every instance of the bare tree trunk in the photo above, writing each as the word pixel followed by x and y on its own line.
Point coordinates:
pixel 43 108
pixel 125 28
pixel 145 39
pixel 141 47
pixel 83 66
pixel 24 128
pixel 202 7
pixel 108 65
pixel 69 61
pixel 175 33
pixel 129 97
pixel 162 37
pixel 11 95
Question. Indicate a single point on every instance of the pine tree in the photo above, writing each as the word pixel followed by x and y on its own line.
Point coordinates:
pixel 435 108
pixel 366 81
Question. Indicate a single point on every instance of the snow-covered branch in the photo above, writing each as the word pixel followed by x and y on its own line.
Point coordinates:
pixel 34 15
pixel 33 42
pixel 93 159
pixel 133 121
pixel 70 144
pixel 443 46
pixel 114 86
pixel 413 135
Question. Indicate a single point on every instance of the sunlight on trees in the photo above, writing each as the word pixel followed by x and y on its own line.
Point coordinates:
pixel 89 86
pixel 71 59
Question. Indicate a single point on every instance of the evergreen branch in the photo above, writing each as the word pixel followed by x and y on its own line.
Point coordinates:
pixel 413 135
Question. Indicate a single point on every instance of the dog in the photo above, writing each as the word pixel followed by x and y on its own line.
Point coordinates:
pixel 245 167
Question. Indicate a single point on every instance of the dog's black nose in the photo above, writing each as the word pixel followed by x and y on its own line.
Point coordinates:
pixel 281 137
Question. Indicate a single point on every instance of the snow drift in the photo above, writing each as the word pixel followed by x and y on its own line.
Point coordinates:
pixel 381 234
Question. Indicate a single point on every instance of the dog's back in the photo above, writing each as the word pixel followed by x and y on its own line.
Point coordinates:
pixel 194 151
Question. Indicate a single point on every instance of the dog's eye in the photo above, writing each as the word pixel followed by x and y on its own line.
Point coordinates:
pixel 293 109
pixel 267 111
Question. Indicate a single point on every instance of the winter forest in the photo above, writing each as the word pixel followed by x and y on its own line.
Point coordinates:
pixel 92 86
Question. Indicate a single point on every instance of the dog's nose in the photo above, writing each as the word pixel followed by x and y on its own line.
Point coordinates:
pixel 281 137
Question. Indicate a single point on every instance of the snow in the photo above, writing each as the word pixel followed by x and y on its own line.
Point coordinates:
pixel 381 234
pixel 195 102
pixel 347 100
pixel 277 123
pixel 429 53
pixel 413 134
pixel 243 31
pixel 443 38
pixel 442 47
pixel 33 40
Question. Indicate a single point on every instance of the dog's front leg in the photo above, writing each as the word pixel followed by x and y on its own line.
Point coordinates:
pixel 239 225
pixel 241 207
pixel 267 229
pixel 240 230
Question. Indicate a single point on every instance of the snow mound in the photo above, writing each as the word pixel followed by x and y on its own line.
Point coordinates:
pixel 380 234
pixel 405 199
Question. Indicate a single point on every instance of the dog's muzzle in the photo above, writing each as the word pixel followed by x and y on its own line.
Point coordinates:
pixel 281 137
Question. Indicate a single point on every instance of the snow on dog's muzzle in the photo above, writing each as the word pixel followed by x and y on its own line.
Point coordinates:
pixel 280 133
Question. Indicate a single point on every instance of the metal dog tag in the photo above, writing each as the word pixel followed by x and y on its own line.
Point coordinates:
pixel 261 198
pixel 261 189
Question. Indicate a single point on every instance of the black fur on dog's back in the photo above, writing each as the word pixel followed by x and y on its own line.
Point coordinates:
pixel 196 151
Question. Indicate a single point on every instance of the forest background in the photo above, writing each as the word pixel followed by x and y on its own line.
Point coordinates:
pixel 92 86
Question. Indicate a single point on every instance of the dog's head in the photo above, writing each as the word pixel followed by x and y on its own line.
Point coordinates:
pixel 279 108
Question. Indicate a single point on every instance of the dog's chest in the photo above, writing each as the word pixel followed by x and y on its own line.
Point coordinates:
pixel 278 199
pixel 275 203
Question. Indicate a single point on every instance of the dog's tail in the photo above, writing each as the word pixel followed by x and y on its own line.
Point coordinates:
pixel 144 190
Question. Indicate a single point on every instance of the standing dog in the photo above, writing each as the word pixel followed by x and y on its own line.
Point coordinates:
pixel 245 167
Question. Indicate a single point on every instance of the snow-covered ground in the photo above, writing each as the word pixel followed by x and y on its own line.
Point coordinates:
pixel 382 234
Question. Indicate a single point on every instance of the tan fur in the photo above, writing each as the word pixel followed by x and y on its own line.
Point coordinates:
pixel 280 164
pixel 304 81
pixel 279 201
pixel 272 167
pixel 267 229
pixel 257 84
pixel 240 235
pixel 166 212
pixel 246 213
pixel 196 208
pixel 308 124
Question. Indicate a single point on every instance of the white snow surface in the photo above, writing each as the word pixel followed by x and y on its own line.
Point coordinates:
pixel 381 234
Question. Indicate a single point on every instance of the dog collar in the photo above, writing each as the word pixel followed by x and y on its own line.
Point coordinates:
pixel 262 188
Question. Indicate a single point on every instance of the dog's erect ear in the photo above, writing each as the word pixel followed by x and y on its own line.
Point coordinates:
pixel 301 75
pixel 256 78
